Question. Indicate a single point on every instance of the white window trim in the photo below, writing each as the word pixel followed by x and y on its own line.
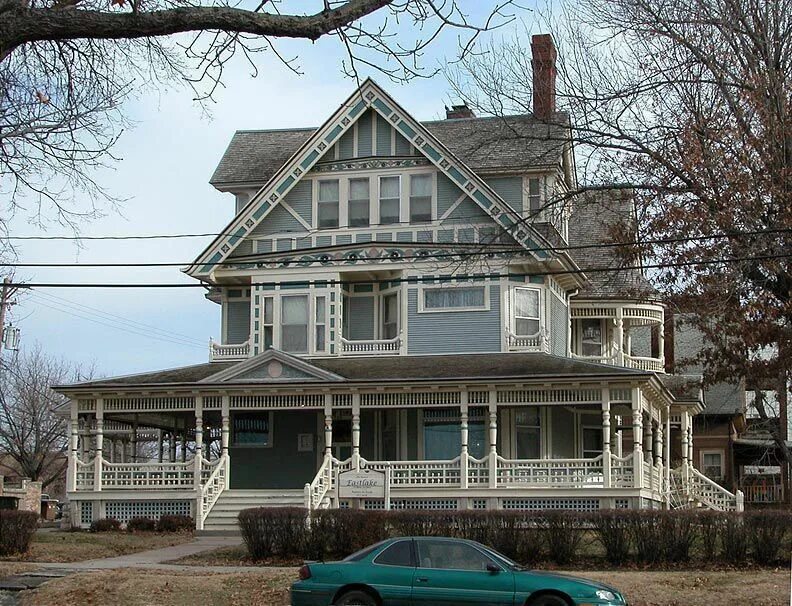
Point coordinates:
pixel 717 451
pixel 512 314
pixel 270 425
pixel 605 350
pixel 343 191
pixel 445 310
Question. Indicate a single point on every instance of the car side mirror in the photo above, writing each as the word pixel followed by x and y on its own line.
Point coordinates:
pixel 493 568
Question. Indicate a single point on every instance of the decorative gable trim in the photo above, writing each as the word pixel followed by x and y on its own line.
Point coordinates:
pixel 368 95
pixel 275 360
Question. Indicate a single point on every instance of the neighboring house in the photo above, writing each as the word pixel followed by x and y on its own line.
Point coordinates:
pixel 396 298
pixel 732 444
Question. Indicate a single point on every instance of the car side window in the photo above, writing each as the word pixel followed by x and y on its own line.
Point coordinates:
pixel 398 554
pixel 451 555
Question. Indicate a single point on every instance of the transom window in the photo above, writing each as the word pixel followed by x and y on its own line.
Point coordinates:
pixel 251 428
pixel 526 311
pixel 359 202
pixel 389 200
pixel 420 198
pixel 454 298
pixel 294 324
pixel 327 205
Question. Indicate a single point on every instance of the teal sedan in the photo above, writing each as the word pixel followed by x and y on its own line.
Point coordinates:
pixel 434 571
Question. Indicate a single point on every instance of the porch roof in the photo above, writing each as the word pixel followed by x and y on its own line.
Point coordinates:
pixel 382 369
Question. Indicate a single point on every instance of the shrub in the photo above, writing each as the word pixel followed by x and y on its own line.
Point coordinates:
pixel 734 539
pixel 141 525
pixel 16 530
pixel 562 532
pixel 105 525
pixel 767 530
pixel 174 523
pixel 710 527
pixel 646 530
pixel 345 531
pixel 677 535
pixel 613 531
pixel 271 531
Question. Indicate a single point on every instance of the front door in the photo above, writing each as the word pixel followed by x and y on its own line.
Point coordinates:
pixel 342 438
pixel 452 572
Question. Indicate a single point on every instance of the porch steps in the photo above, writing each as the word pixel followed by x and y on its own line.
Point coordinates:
pixel 223 516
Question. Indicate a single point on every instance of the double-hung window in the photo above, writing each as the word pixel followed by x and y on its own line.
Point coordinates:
pixel 451 299
pixel 268 322
pixel 591 337
pixel 535 196
pixel 712 464
pixel 328 204
pixel 359 202
pixel 294 323
pixel 420 198
pixel 390 316
pixel 526 312
pixel 389 200
pixel 321 324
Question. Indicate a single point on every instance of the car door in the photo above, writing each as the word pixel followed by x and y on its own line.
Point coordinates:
pixel 391 573
pixel 452 572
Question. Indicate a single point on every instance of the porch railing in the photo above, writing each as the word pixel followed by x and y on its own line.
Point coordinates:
pixel 612 360
pixel 213 486
pixel 478 471
pixel 220 352
pixel 148 476
pixel 371 347
pixel 695 487
pixel 408 474
pixel 316 491
pixel 537 342
pixel 622 471
pixel 566 473
pixel 86 475
pixel 644 363
pixel 756 493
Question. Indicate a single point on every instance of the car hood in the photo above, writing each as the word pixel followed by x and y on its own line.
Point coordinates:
pixel 567 578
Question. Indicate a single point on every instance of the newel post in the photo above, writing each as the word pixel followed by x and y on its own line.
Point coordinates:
pixel 463 434
pixel 328 425
pixel 606 438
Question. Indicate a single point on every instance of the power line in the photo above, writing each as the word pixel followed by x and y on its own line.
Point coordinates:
pixel 497 249
pixel 330 282
pixel 82 308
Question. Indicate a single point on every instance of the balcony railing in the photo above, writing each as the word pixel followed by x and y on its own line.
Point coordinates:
pixel 537 342
pixel 220 352
pixel 371 347
pixel 643 363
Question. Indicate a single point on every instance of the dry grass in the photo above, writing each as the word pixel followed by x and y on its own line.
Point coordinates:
pixel 270 588
pixel 231 556
pixel 78 546
pixel 10 568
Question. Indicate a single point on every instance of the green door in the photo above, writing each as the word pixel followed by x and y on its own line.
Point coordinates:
pixel 451 572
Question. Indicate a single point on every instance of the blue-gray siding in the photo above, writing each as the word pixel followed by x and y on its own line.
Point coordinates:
pixel 364 134
pixel 279 220
pixel 299 199
pixel 454 331
pixel 346 145
pixel 361 318
pixel 383 136
pixel 508 188
pixel 402 145
pixel 447 194
pixel 237 321
pixel 558 318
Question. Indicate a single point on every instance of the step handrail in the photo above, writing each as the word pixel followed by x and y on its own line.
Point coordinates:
pixel 211 489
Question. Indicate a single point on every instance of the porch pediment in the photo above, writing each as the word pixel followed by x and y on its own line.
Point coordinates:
pixel 272 366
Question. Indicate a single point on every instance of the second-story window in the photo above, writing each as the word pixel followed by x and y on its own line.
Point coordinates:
pixel 454 298
pixel 321 324
pixel 390 316
pixel 268 322
pixel 328 204
pixel 591 337
pixel 535 195
pixel 294 323
pixel 389 200
pixel 420 198
pixel 526 311
pixel 358 202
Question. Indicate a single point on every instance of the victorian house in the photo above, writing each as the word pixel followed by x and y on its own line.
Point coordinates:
pixel 408 298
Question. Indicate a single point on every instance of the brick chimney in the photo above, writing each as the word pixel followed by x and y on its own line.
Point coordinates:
pixel 543 61
pixel 459 111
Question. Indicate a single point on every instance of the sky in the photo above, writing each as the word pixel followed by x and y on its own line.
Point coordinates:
pixel 166 160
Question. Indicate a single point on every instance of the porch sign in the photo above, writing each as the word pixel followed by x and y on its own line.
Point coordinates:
pixel 364 484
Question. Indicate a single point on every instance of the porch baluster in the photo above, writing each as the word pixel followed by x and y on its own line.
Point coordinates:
pixel 637 437
pixel 685 461
pixel 606 438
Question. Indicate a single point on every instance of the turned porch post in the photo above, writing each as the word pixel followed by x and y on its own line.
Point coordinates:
pixel 667 457
pixel 620 336
pixel 493 438
pixel 133 442
pixel 685 451
pixel 74 426
pixel 606 438
pixel 637 414
pixel 98 460
pixel 356 431
pixel 328 425
pixel 184 445
pixel 198 459
pixel 160 445
pixel 172 445
pixel 463 436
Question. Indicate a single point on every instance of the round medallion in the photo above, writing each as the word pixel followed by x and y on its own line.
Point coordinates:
pixel 275 369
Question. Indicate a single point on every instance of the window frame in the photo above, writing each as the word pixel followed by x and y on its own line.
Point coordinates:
pixel 350 200
pixel 713 451
pixel 308 323
pixel 422 309
pixel 583 450
pixel 540 311
pixel 270 426
pixel 320 202
pixel 580 334
pixel 431 196
pixel 380 177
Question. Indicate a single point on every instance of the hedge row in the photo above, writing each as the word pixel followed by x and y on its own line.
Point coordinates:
pixel 618 536
pixel 167 523
pixel 16 530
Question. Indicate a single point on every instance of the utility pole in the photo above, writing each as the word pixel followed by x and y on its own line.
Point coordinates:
pixel 7 292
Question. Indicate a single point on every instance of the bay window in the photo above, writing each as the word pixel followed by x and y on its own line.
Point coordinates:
pixel 420 198
pixel 294 323
pixel 359 202
pixel 389 200
pixel 327 205
pixel 526 312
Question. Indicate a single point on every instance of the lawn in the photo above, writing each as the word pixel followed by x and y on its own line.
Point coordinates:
pixel 78 546
pixel 270 588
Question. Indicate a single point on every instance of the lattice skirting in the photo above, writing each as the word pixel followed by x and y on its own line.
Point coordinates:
pixel 86 513
pixel 546 504
pixel 123 511
pixel 508 504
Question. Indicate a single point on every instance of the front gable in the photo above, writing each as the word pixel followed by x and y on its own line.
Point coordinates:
pixel 272 366
pixel 386 111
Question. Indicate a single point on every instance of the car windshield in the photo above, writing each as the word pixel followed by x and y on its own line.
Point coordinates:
pixel 359 555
